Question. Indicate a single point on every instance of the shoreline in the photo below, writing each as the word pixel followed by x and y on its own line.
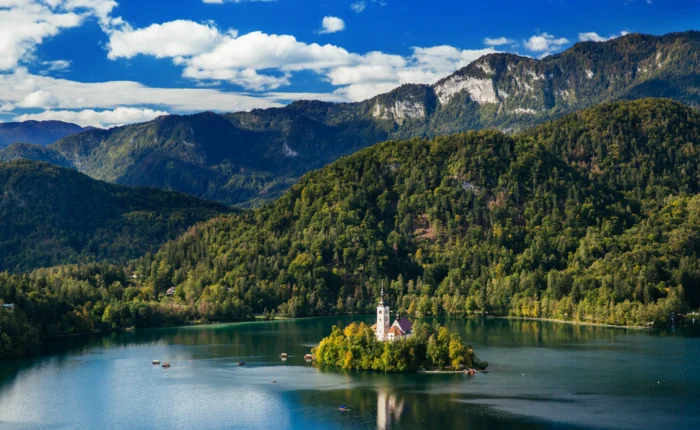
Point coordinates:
pixel 590 324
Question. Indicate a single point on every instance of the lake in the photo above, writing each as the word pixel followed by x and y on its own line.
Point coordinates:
pixel 542 375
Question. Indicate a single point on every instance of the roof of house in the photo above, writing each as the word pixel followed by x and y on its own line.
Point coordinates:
pixel 404 324
pixel 374 326
pixel 395 331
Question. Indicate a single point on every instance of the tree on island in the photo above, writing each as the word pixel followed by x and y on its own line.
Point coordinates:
pixel 356 347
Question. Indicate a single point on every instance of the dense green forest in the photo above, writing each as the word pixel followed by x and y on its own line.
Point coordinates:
pixel 247 158
pixel 594 217
pixel 434 348
pixel 51 215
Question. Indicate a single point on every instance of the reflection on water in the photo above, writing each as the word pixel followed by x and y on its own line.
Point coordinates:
pixel 389 408
pixel 542 376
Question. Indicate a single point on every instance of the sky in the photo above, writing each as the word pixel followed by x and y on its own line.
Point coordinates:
pixel 111 62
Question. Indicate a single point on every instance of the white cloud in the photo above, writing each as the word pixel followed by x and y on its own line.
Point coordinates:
pixel 56 65
pixel 24 24
pixel 39 99
pixel 208 55
pixel 594 37
pixel 263 62
pixel 89 117
pixel 498 41
pixel 171 39
pixel 237 60
pixel 591 36
pixel 28 90
pixel 247 78
pixel 545 43
pixel 332 24
pixel 359 6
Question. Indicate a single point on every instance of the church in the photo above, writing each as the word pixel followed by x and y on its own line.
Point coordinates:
pixel 402 328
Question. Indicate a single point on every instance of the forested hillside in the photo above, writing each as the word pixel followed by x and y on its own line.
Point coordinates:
pixel 51 216
pixel 556 222
pixel 474 222
pixel 246 158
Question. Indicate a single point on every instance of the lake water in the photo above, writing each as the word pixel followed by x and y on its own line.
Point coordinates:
pixel 541 376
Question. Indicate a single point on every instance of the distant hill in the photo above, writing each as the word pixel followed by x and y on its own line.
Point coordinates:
pixel 37 132
pixel 51 216
pixel 245 158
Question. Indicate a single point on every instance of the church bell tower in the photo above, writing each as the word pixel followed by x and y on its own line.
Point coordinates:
pixel 383 319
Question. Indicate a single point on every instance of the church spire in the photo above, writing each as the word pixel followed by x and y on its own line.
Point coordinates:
pixel 381 302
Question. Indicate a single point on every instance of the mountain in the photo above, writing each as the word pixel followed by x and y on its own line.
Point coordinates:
pixel 476 221
pixel 583 219
pixel 246 158
pixel 51 215
pixel 37 132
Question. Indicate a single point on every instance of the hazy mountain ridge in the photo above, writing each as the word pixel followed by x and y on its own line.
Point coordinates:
pixel 247 157
pixel 36 132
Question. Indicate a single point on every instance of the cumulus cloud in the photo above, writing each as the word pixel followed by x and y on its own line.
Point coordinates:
pixel 545 43
pixel 24 24
pixel 264 62
pixel 498 41
pixel 208 55
pixel 594 37
pixel 332 24
pixel 171 39
pixel 89 117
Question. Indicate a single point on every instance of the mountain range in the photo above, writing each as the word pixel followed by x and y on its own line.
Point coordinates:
pixel 594 217
pixel 246 158
pixel 37 132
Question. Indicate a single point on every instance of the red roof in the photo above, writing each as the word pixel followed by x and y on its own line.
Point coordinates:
pixel 396 331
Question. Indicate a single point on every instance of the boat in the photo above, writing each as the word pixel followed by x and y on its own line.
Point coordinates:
pixel 273 381
pixel 343 409
pixel 241 363
pixel 284 355
pixel 308 357
pixel 470 372
pixel 166 364
pixel 155 362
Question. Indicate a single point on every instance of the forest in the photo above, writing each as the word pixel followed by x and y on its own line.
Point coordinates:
pixel 52 216
pixel 594 217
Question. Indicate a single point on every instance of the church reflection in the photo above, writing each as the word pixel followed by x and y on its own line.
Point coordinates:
pixel 389 409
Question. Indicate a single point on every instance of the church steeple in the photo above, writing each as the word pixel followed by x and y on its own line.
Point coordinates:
pixel 383 323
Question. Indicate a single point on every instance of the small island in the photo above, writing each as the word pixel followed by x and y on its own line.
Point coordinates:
pixel 398 347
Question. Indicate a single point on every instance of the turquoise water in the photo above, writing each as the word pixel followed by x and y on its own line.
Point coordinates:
pixel 541 376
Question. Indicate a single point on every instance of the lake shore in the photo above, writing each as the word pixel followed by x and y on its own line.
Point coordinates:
pixel 574 322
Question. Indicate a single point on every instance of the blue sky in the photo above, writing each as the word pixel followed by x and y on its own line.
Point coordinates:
pixel 108 62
